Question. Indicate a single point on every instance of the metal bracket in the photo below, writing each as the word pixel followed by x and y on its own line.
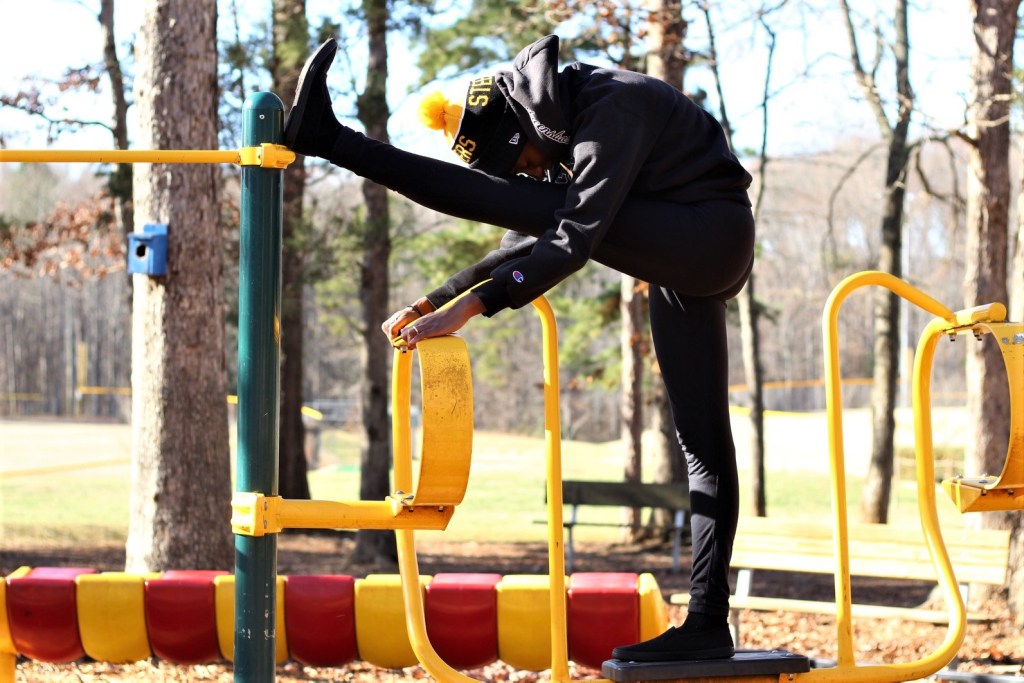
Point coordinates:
pixel 266 155
pixel 254 514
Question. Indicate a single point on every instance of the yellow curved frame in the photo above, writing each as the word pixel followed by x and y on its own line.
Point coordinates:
pixel 447 396
pixel 407 562
pixel 947 322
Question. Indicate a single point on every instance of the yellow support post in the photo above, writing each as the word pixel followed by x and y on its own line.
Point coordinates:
pixel 556 532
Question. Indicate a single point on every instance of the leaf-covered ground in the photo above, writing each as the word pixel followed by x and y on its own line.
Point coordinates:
pixel 993 647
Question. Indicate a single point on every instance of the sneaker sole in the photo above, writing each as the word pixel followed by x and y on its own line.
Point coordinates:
pixel 321 59
pixel 692 655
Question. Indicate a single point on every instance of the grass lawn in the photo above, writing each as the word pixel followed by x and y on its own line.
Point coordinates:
pixel 504 500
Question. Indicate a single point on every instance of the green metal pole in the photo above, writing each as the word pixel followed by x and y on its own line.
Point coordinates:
pixel 259 355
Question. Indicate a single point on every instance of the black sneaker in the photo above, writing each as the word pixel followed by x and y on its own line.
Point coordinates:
pixel 676 645
pixel 311 126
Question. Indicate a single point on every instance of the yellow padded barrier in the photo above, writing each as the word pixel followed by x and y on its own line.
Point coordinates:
pixel 112 616
pixel 8 653
pixel 524 621
pixel 6 641
pixel 224 597
pixel 653 610
pixel 380 621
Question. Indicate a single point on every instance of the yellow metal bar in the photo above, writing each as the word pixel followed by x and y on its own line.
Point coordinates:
pixel 121 156
pixel 833 409
pixel 256 515
pixel 847 669
pixel 995 313
pixel 553 447
pixel 266 155
pixel 415 618
pixel 401 422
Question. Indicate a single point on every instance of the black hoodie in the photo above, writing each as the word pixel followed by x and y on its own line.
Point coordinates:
pixel 623 133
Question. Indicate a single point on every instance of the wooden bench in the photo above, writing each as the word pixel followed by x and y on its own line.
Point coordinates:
pixel 875 550
pixel 674 497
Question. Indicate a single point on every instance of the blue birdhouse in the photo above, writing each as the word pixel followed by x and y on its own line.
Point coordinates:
pixel 147 250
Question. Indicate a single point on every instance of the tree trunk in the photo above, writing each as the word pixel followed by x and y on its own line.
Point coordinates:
pixel 669 461
pixel 181 486
pixel 666 60
pixel 750 336
pixel 988 185
pixel 121 181
pixel 750 341
pixel 878 485
pixel 291 47
pixel 1016 311
pixel 373 294
pixel 631 397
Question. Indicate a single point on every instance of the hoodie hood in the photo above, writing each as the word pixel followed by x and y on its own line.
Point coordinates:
pixel 532 90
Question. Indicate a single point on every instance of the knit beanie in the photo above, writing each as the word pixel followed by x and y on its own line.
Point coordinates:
pixel 484 131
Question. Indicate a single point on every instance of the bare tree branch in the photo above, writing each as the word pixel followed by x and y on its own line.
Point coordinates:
pixel 829 246
pixel 865 78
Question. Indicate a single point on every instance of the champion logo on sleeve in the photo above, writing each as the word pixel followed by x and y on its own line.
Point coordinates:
pixel 517 276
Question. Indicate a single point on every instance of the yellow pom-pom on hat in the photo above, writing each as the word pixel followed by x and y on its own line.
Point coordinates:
pixel 437 112
pixel 483 129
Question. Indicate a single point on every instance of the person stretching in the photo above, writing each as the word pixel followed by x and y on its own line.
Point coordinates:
pixel 637 177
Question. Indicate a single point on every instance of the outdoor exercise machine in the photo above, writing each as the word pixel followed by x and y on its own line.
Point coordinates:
pixel 446 388
pixel 999 493
pixel 1005 492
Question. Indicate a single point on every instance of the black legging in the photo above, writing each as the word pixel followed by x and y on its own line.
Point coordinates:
pixel 696 256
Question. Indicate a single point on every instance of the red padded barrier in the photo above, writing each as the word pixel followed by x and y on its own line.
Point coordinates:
pixel 43 614
pixel 319 618
pixel 181 616
pixel 603 613
pixel 462 618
